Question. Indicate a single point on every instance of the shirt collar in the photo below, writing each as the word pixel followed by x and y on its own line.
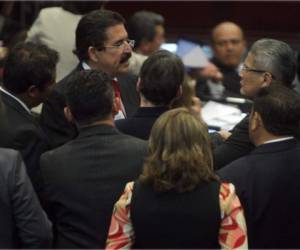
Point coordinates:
pixel 280 139
pixel 85 66
pixel 17 99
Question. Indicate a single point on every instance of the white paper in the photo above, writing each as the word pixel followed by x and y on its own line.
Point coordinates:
pixel 221 115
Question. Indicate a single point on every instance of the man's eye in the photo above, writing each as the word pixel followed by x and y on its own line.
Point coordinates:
pixel 235 41
pixel 220 43
pixel 118 44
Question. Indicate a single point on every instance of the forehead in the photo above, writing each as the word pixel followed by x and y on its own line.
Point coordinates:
pixel 227 32
pixel 116 33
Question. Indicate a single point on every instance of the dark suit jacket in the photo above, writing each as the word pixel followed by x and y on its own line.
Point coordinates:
pixel 231 82
pixel 236 146
pixel 267 183
pixel 83 180
pixel 53 121
pixel 23 222
pixel 140 124
pixel 21 131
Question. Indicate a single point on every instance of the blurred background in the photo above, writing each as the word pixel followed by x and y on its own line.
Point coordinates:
pixel 190 20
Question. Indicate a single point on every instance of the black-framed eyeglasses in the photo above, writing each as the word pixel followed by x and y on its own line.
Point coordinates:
pixel 120 44
pixel 244 67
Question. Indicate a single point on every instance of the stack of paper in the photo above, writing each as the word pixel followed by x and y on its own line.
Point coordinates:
pixel 221 115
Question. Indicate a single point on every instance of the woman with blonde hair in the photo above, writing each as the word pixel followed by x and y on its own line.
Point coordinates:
pixel 178 201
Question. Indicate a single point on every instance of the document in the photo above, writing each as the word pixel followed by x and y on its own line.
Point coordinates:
pixel 221 115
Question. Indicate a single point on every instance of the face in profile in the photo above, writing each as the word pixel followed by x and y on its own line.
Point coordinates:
pixel 228 44
pixel 40 95
pixel 159 38
pixel 114 58
pixel 252 78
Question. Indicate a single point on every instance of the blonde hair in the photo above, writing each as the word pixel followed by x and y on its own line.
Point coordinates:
pixel 180 156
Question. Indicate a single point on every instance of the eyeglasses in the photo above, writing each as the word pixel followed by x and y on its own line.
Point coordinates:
pixel 121 44
pixel 248 69
pixel 244 67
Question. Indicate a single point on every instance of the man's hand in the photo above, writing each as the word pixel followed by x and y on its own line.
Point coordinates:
pixel 211 72
pixel 224 134
pixel 196 105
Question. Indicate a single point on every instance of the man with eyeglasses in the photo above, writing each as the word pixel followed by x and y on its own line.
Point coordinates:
pixel 268 62
pixel 101 43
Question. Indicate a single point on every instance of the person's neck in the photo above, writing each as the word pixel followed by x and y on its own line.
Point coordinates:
pixel 109 121
pixel 141 52
pixel 265 137
pixel 94 66
pixel 218 63
pixel 144 103
pixel 25 99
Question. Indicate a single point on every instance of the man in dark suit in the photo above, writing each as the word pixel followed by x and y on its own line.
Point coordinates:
pixel 23 222
pixel 267 180
pixel 229 46
pixel 160 83
pixel 101 43
pixel 28 77
pixel 268 62
pixel 86 176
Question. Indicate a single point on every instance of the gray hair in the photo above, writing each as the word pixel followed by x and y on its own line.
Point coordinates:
pixel 276 57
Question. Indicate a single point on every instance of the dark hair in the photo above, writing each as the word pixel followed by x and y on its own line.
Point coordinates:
pixel 180 155
pixel 142 26
pixel 90 96
pixel 161 76
pixel 276 57
pixel 279 108
pixel 91 30
pixel 81 7
pixel 29 64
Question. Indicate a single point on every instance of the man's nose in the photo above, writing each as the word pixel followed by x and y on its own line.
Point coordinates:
pixel 127 48
pixel 229 46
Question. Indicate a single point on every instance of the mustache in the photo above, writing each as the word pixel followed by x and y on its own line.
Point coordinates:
pixel 125 57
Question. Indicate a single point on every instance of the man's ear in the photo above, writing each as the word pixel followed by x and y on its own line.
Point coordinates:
pixel 68 115
pixel 92 54
pixel 244 42
pixel 267 79
pixel 32 91
pixel 255 121
pixel 116 107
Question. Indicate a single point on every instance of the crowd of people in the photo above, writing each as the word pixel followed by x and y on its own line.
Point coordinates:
pixel 120 157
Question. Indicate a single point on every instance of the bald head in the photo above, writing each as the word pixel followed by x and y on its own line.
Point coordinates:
pixel 228 43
